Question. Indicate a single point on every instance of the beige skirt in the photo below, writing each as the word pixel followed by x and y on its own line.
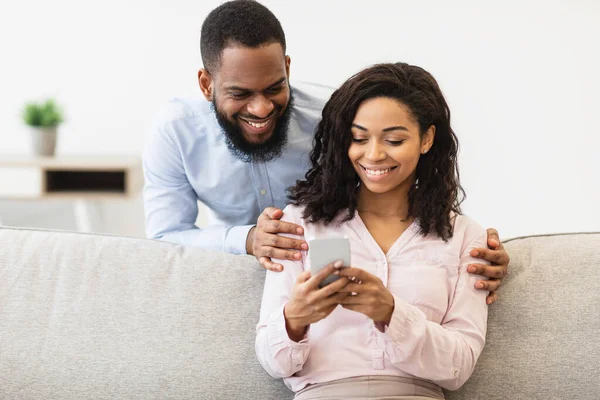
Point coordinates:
pixel 371 388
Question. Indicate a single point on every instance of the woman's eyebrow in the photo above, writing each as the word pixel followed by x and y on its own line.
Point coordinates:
pixel 396 128
pixel 389 129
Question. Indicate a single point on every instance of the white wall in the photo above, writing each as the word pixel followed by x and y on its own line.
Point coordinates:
pixel 522 79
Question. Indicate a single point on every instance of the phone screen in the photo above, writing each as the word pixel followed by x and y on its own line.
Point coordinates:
pixel 323 251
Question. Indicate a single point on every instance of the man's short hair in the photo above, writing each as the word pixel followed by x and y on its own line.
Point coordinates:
pixel 242 22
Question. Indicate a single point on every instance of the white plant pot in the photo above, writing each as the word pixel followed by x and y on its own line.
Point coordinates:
pixel 43 141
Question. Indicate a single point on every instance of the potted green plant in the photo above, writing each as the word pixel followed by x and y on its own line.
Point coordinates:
pixel 43 119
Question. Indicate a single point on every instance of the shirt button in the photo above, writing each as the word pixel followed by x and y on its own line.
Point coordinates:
pixel 455 373
pixel 263 192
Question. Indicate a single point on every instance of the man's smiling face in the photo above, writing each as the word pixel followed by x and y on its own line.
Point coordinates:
pixel 252 98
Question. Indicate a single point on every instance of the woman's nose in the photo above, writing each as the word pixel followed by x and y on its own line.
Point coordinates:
pixel 375 152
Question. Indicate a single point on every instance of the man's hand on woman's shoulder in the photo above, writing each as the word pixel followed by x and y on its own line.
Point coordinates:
pixel 498 258
pixel 264 241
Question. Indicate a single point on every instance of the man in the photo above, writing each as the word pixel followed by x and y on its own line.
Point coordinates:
pixel 238 149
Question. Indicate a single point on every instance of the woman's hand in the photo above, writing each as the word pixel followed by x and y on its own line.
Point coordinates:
pixel 367 295
pixel 309 303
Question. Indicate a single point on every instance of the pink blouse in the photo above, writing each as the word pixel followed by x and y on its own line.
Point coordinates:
pixel 437 329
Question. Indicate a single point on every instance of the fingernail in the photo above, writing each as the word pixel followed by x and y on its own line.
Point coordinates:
pixel 494 242
pixel 299 231
pixel 488 301
pixel 297 256
pixel 304 246
pixel 474 253
pixel 279 268
pixel 479 285
pixel 338 264
pixel 471 269
pixel 337 272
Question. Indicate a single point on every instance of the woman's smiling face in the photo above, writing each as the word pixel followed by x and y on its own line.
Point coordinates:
pixel 386 144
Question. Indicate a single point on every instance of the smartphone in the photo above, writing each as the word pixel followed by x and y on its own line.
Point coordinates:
pixel 323 251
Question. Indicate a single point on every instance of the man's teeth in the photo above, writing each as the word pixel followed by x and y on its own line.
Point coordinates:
pixel 261 125
pixel 377 171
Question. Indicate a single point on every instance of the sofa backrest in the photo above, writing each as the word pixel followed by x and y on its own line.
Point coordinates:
pixel 100 317
pixel 543 338
pixel 90 316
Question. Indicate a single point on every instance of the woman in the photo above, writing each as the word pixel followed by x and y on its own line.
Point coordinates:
pixel 405 320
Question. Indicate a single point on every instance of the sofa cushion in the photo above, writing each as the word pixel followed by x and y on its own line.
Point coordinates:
pixel 90 316
pixel 543 339
pixel 95 317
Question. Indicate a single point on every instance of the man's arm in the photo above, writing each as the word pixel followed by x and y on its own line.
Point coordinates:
pixel 171 204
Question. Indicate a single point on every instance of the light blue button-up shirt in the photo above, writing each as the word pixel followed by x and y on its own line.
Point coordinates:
pixel 187 160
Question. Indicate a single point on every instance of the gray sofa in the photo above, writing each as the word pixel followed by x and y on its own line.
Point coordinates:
pixel 101 317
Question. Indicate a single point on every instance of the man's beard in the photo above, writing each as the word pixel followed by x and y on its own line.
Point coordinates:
pixel 260 152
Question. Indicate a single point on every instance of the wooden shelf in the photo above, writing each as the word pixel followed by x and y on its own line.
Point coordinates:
pixel 70 177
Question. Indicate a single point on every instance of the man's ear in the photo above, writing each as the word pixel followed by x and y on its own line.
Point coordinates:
pixel 288 61
pixel 205 81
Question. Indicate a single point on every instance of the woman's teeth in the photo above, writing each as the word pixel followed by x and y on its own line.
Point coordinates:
pixel 377 171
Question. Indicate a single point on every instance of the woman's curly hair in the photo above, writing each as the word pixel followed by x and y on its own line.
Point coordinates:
pixel 330 185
